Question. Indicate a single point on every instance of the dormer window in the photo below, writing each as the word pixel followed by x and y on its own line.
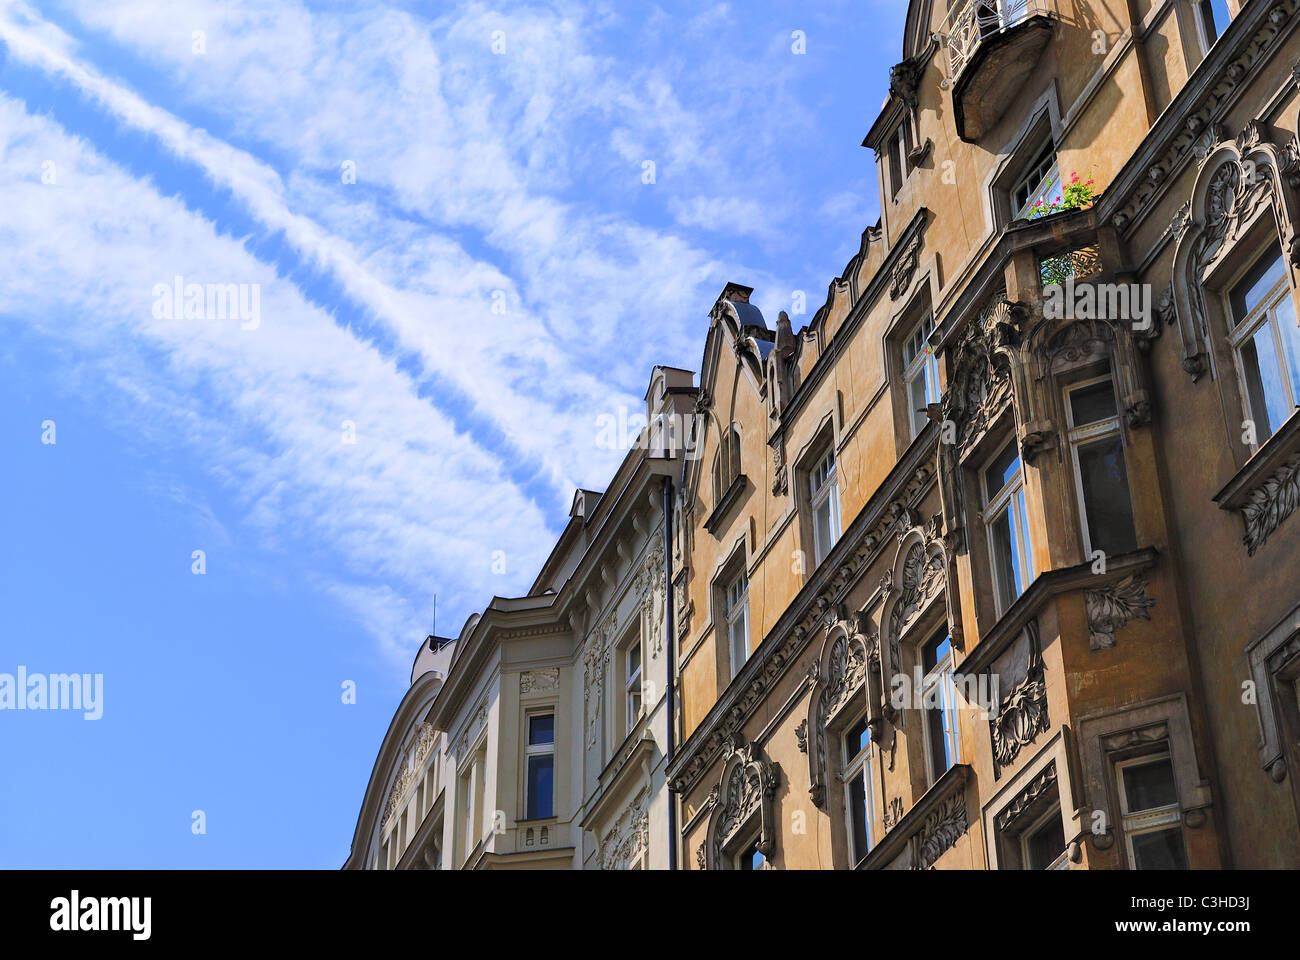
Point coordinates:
pixel 726 463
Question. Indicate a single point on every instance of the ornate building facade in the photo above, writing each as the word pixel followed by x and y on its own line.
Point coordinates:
pixel 539 737
pixel 993 563
pixel 990 565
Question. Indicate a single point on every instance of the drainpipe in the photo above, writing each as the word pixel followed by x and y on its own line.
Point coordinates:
pixel 669 643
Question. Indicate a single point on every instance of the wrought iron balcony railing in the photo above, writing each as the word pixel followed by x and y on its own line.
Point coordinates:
pixel 971 22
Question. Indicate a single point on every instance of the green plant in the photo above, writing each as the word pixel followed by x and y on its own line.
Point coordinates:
pixel 1078 194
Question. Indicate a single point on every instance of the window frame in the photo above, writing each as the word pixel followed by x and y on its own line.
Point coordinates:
pixel 921 364
pixel 1241 331
pixel 633 683
pixel 1081 436
pixel 860 766
pixel 532 750
pixel 1201 11
pixel 1031 179
pixel 826 494
pixel 736 610
pixel 1137 823
pixel 995 505
pixel 1062 861
pixel 941 673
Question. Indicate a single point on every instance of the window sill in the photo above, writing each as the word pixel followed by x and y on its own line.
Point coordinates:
pixel 729 499
pixel 1264 490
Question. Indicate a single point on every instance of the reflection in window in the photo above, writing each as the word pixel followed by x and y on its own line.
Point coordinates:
pixel 1265 340
pixel 1007 526
pixel 1101 475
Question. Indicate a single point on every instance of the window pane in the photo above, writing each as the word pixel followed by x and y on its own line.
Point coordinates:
pixel 856 740
pixel 1002 470
pixel 1268 401
pixel 1026 549
pixel 823 535
pixel 634 660
pixel 1290 331
pixel 1149 786
pixel 858 816
pixel 935 650
pixel 1092 403
pixel 1005 563
pixel 1161 850
pixel 937 727
pixel 541 770
pixel 541 729
pixel 916 401
pixel 1046 844
pixel 1106 498
pixel 1250 290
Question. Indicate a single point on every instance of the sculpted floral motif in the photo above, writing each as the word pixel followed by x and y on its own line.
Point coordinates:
pixel 539 681
pixel 981 381
pixel 1271 503
pixel 943 828
pixel 744 796
pixel 1114 605
pixel 627 840
pixel 1022 713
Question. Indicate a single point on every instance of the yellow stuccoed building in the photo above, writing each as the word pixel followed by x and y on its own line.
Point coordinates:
pixel 993 564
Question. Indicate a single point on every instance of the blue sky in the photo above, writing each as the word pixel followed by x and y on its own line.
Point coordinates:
pixel 136 150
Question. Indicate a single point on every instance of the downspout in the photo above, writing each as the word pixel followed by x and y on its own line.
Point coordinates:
pixel 669 643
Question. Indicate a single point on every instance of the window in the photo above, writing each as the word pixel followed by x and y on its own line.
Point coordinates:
pixel 632 684
pixel 898 147
pixel 751 859
pixel 736 613
pixel 1101 477
pixel 1214 18
pixel 1042 846
pixel 1152 818
pixel 920 373
pixel 726 463
pixel 1265 342
pixel 539 791
pixel 824 499
pixel 939 699
pixel 1007 526
pixel 1035 184
pixel 858 794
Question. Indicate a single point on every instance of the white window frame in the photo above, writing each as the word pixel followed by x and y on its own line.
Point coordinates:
pixel 1136 823
pixel 941 675
pixel 634 695
pixel 995 504
pixel 1084 435
pixel 1062 861
pixel 1035 182
pixel 1242 332
pixel 1200 10
pixel 735 601
pixel 854 767
pixel 919 361
pixel 824 493
pixel 538 750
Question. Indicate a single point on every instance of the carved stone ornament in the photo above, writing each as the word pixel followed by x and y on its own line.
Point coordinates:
pixel 1025 799
pixel 981 379
pixel 801 736
pixel 1236 182
pixel 905 268
pixel 411 770
pixel 780 477
pixel 903 80
pixel 943 827
pixel 838 675
pixel 922 578
pixel 1022 713
pixel 1271 503
pixel 1114 605
pixel 744 805
pixel 627 840
pixel 539 681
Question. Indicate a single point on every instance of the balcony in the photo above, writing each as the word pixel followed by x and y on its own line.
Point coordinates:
pixel 993 46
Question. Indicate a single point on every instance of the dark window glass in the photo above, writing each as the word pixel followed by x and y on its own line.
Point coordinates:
pixel 940 761
pixel 1149 786
pixel 934 651
pixel 1161 850
pixel 541 776
pixel 1106 497
pixel 858 812
pixel 751 859
pixel 1092 403
pixel 1002 469
pixel 856 739
pixel 541 730
pixel 1046 844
